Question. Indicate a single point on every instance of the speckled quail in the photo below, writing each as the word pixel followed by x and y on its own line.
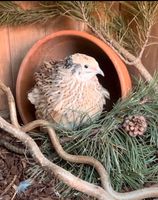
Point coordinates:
pixel 68 91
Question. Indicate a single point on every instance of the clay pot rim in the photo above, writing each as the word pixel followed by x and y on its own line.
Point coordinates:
pixel 122 72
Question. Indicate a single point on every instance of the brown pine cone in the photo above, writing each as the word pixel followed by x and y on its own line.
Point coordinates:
pixel 135 125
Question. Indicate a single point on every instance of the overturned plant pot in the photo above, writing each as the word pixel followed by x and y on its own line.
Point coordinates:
pixel 61 44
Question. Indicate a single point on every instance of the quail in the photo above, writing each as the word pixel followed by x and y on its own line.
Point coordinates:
pixel 68 92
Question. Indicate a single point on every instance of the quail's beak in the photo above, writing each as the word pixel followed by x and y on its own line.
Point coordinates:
pixel 99 71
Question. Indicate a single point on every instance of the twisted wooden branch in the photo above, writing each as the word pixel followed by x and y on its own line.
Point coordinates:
pixel 90 189
pixel 11 103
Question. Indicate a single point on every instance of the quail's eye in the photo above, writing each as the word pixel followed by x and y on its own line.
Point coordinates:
pixel 85 66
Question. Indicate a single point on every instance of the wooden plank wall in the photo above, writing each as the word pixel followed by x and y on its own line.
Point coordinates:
pixel 15 42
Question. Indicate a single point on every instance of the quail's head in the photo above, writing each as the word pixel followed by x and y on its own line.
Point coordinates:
pixel 83 67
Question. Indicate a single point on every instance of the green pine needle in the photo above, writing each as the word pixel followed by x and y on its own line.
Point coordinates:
pixel 12 14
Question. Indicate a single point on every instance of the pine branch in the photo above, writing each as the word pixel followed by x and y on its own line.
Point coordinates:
pixel 104 26
pixel 13 15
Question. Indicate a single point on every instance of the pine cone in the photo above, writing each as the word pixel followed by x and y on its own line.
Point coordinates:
pixel 135 125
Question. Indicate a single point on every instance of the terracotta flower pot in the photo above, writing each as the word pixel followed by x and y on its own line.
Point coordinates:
pixel 61 44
